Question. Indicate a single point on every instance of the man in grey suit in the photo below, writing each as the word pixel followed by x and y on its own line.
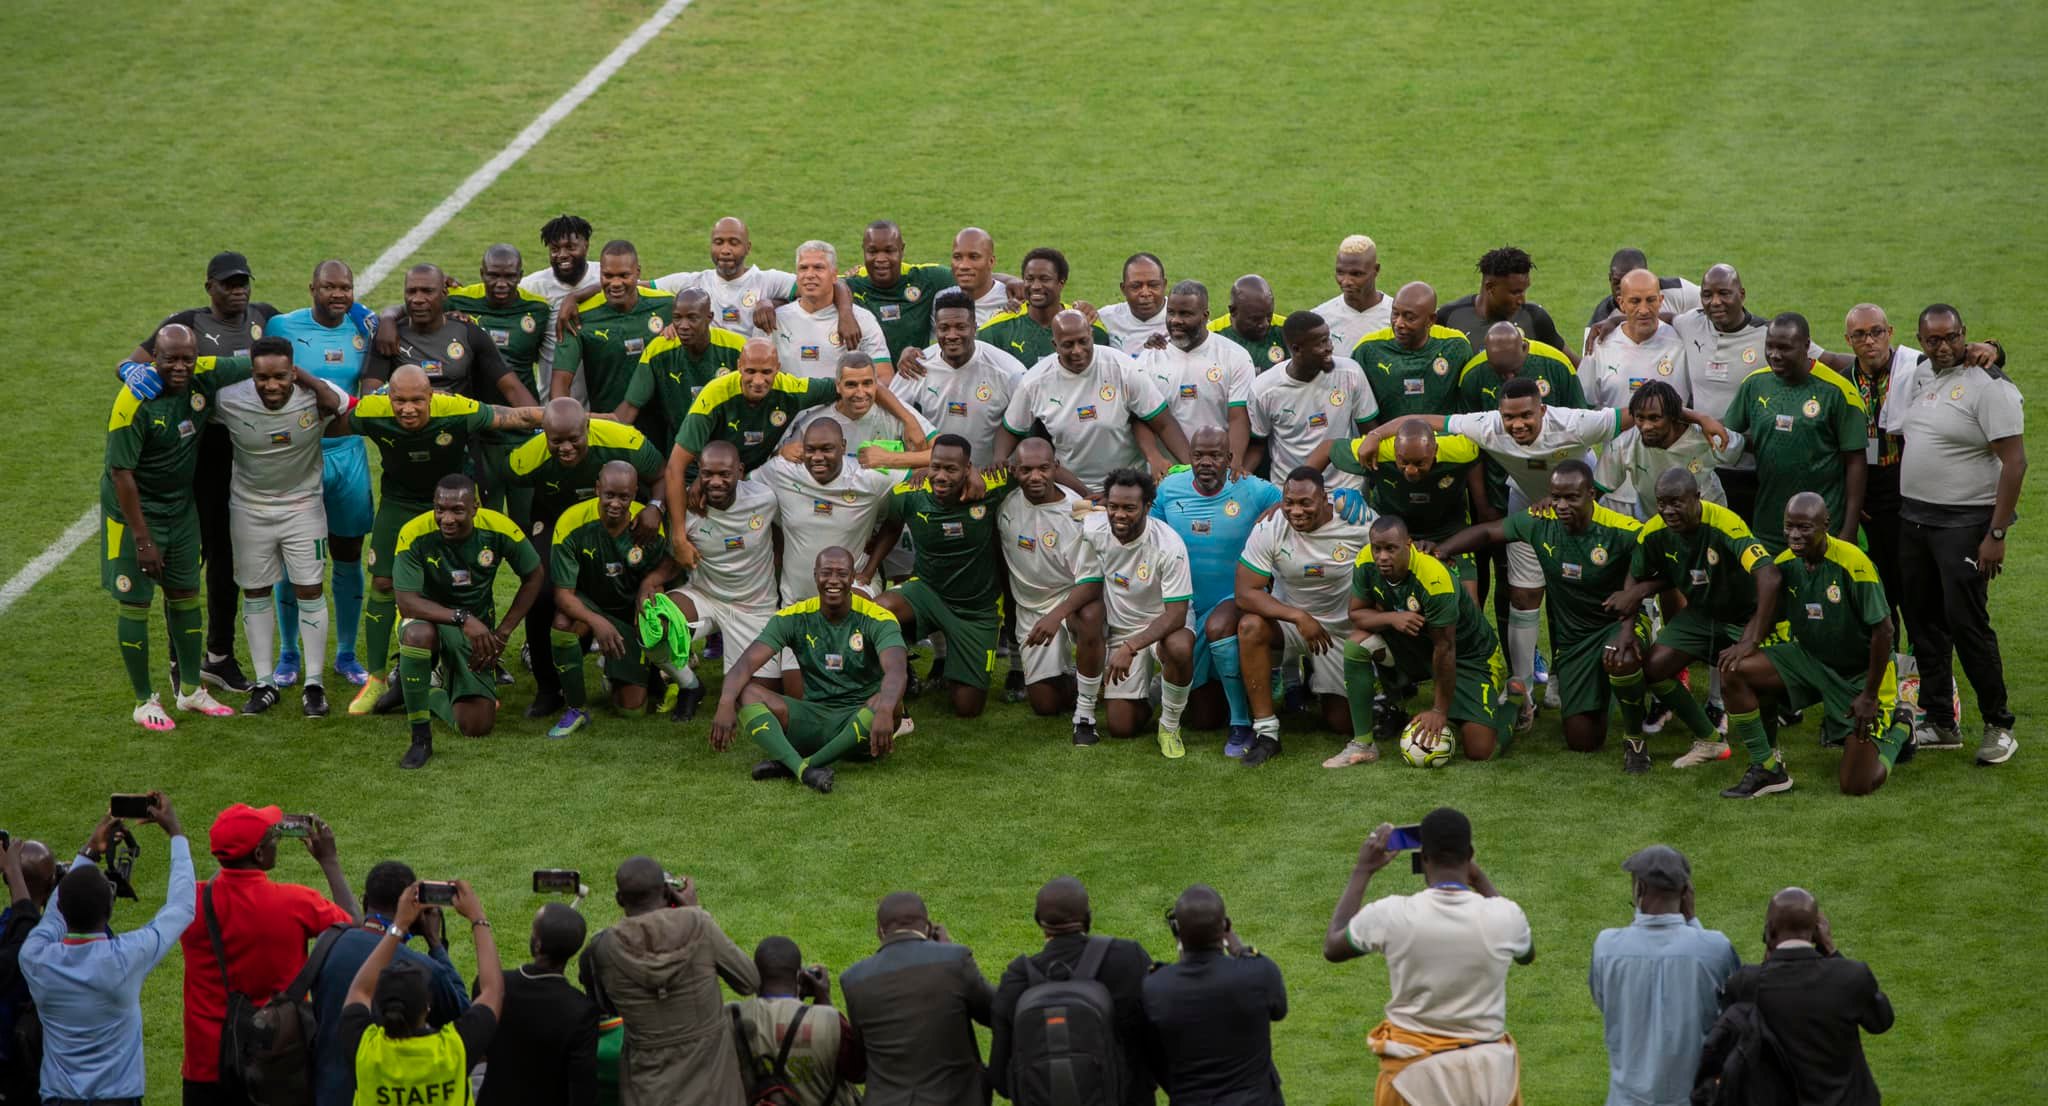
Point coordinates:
pixel 915 1003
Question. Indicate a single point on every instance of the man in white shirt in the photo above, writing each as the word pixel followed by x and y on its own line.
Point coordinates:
pixel 1309 399
pixel 1141 316
pixel 736 288
pixel 865 412
pixel 732 588
pixel 1040 531
pixel 823 501
pixel 1680 294
pixel 1205 377
pixel 1447 949
pixel 1359 308
pixel 569 276
pixel 1088 398
pixel 1644 348
pixel 974 272
pixel 961 385
pixel 807 334
pixel 1656 442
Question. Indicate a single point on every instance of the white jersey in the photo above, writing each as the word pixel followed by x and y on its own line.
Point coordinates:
pixel 1628 469
pixel 815 517
pixel 808 341
pixel 1311 571
pixel 1614 369
pixel 1566 433
pixel 733 301
pixel 1088 413
pixel 277 453
pixel 1126 330
pixel 1041 545
pixel 1138 580
pixel 968 401
pixel 989 304
pixel 735 550
pixel 1716 361
pixel 1296 416
pixel 878 425
pixel 1200 385
pixel 1349 326
pixel 550 288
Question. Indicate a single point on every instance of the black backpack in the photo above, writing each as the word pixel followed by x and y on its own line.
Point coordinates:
pixel 1063 1044
pixel 772 1086
pixel 266 1052
pixel 1741 1063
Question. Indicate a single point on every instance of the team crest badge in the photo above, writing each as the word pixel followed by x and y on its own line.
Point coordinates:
pixel 849 497
pixel 1343 553
pixel 1749 357
pixel 1414 604
pixel 983 393
pixel 755 522
pixel 123 584
pixel 444 438
pixel 653 324
pixel 1273 355
pixel 1599 555
pixel 1337 398
pixel 913 293
pixel 1811 408
pixel 255 330
pixel 538 527
pixel 1049 539
pixel 1664 366
pixel 358 343
pixel 455 351
pixel 526 323
pixel 635 555
pixel 306 419
pixel 199 401
pixel 1144 570
pixel 1215 373
pixel 1956 393
pixel 1542 387
pixel 977 512
pixel 833 338
pixel 1440 366
pixel 1232 508
pixel 1108 392
pixel 1713 556
pixel 777 418
pixel 485 558
pixel 1446 482
pixel 370 555
pixel 1834 593
pixel 750 299
pixel 856 642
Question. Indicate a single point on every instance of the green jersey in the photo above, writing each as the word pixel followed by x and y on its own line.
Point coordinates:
pixel 904 311
pixel 1580 570
pixel 1834 606
pixel 1479 382
pixel 957 554
pixel 1711 566
pixel 1799 433
pixel 1434 507
pixel 158 439
pixel 416 460
pixel 609 345
pixel 515 328
pixel 460 573
pixel 603 568
pixel 1431 590
pixel 557 487
pixel 722 413
pixel 1265 352
pixel 673 375
pixel 841 661
pixel 1022 337
pixel 1413 381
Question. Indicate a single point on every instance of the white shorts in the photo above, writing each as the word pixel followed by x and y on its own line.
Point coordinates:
pixel 1137 684
pixel 1524 570
pixel 1042 662
pixel 279 546
pixel 741 626
pixel 1325 671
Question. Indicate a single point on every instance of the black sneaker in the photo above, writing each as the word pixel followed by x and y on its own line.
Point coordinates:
pixel 1084 733
pixel 262 697
pixel 313 701
pixel 504 678
pixel 546 704
pixel 225 674
pixel 1389 718
pixel 1790 718
pixel 1013 687
pixel 1635 759
pixel 1263 749
pixel 1655 717
pixel 1717 717
pixel 392 699
pixel 416 757
pixel 818 780
pixel 526 655
pixel 688 699
pixel 1759 780
pixel 773 770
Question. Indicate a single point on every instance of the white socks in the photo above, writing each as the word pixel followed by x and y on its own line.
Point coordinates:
pixel 1086 689
pixel 1523 628
pixel 1173 698
pixel 312 634
pixel 259 625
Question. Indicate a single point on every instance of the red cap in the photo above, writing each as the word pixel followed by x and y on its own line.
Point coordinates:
pixel 239 830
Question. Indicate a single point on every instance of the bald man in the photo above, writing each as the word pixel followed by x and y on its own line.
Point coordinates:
pixel 1062 913
pixel 514 319
pixel 1040 531
pixel 1503 296
pixel 603 568
pixel 1680 294
pixel 688 354
pixel 1359 308
pixel 1724 344
pixel 732 588
pixel 735 285
pixel 1252 323
pixel 974 272
pixel 1642 349
pixel 1089 398
pixel 1413 364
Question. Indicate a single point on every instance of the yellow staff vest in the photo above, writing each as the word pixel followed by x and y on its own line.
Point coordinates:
pixel 412 1071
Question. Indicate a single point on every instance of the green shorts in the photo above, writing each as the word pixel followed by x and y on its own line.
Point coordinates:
pixel 1482 681
pixel 1808 681
pixel 631 668
pixel 451 653
pixel 392 515
pixel 1578 669
pixel 970 635
pixel 177 539
pixel 812 726
pixel 1698 636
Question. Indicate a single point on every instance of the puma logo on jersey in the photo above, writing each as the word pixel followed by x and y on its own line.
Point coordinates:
pixel 601 335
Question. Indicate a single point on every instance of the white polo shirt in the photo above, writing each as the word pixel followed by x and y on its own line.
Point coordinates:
pixel 968 401
pixel 1088 413
pixel 1296 416
pixel 808 341
pixel 733 301
pixel 1201 385
pixel 1126 330
pixel 1447 955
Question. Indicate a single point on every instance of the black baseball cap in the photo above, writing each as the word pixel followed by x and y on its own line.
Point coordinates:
pixel 1661 867
pixel 225 264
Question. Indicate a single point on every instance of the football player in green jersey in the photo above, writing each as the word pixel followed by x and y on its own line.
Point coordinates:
pixel 603 568
pixel 614 328
pixel 1252 323
pixel 448 559
pixel 1840 656
pixel 854 672
pixel 677 364
pixel 1413 364
pixel 1026 333
pixel 1808 428
pixel 899 295
pixel 514 319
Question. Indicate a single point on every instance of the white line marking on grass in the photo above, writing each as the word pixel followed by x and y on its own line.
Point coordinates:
pixel 387 262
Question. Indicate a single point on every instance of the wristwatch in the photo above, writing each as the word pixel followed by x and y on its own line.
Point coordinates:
pixel 457 617
pixel 1998 533
pixel 392 930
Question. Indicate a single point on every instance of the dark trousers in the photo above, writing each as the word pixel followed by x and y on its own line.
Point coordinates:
pixel 216 547
pixel 1739 485
pixel 212 1094
pixel 1881 534
pixel 1947 613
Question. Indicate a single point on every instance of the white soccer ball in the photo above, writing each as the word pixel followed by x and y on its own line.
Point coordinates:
pixel 1435 756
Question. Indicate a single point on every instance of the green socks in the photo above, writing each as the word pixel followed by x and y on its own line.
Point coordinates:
pixel 760 726
pixel 423 701
pixel 1891 741
pixel 1361 680
pixel 1674 695
pixel 853 736
pixel 380 616
pixel 1748 727
pixel 132 628
pixel 188 634
pixel 1628 695
pixel 568 649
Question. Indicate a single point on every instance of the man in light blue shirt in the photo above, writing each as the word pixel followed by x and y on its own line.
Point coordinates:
pixel 88 985
pixel 1655 983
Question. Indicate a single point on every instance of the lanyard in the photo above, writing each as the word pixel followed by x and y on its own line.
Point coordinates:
pixel 1449 886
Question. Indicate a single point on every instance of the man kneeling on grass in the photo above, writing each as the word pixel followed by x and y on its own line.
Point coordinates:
pixel 854 670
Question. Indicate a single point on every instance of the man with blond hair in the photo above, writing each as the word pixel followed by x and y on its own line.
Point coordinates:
pixel 1359 308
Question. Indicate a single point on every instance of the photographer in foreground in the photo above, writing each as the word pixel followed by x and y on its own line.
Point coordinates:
pixel 31 875
pixel 1211 1013
pixel 794 1011
pixel 87 984
pixel 1444 1041
pixel 398 1059
pixel 545 1052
